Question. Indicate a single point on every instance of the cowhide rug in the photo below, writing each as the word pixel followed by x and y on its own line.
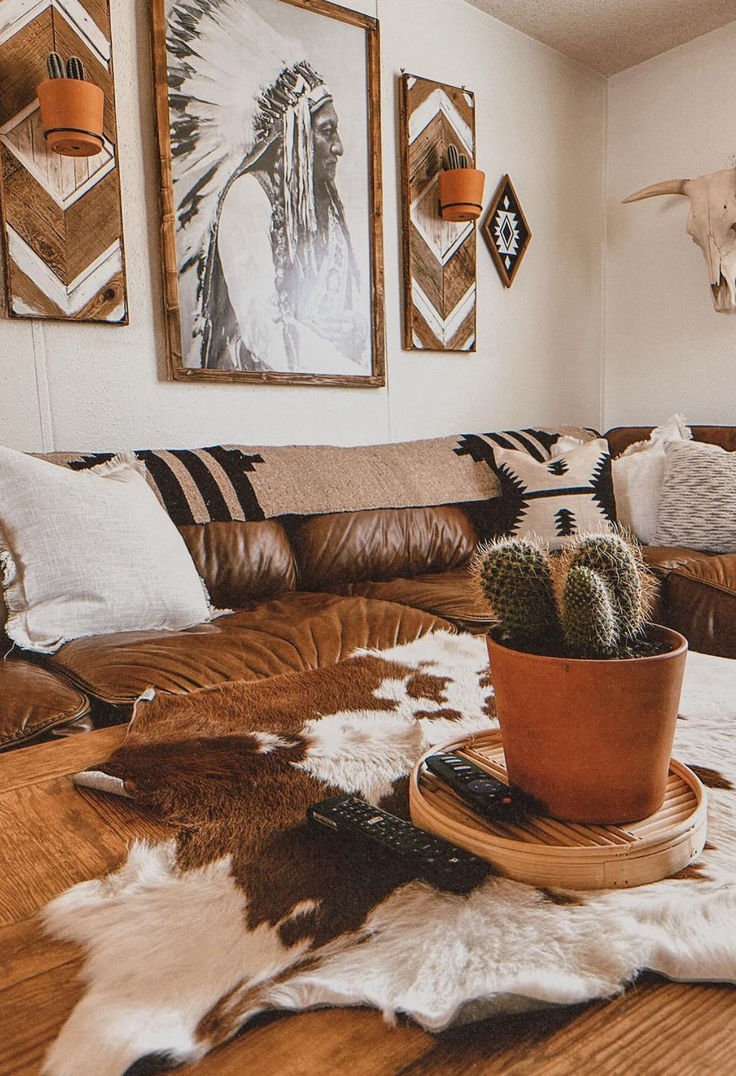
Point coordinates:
pixel 247 909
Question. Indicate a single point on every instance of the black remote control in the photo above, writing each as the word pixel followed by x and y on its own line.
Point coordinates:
pixel 488 797
pixel 435 860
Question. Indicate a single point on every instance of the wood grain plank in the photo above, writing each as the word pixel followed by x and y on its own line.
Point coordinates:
pixel 35 216
pixel 421 160
pixel 33 1011
pixel 67 244
pixel 26 951
pixel 41 763
pixel 24 65
pixel 95 223
pixel 354 1041
pixel 89 839
pixel 97 9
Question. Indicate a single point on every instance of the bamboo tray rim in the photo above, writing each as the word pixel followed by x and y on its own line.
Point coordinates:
pixel 634 847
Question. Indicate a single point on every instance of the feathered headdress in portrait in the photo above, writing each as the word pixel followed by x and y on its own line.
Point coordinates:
pixel 236 87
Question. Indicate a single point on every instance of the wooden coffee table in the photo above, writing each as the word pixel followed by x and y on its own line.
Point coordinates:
pixel 53 835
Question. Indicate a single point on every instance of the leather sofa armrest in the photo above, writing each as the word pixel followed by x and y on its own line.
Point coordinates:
pixel 33 701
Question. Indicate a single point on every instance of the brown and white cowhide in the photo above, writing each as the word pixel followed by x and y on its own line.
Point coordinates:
pixel 247 909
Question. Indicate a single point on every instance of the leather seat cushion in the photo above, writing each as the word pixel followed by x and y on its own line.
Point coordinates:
pixel 384 543
pixel 699 600
pixel 447 594
pixel 298 631
pixel 664 559
pixel 34 701
pixel 240 562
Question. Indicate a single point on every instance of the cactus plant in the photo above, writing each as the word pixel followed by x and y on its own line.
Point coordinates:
pixel 587 614
pixel 514 577
pixel 618 562
pixel 75 69
pixel 455 159
pixel 54 65
pixel 592 601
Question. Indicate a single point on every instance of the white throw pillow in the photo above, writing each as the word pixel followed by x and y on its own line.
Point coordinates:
pixel 90 552
pixel 552 499
pixel 637 478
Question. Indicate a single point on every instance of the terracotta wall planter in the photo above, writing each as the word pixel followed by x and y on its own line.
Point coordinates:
pixel 461 193
pixel 591 740
pixel 71 113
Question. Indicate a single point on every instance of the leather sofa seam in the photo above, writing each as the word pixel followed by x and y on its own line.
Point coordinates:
pixel 703 582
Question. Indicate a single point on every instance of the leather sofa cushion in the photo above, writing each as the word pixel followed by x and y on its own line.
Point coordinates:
pixel 663 559
pixel 446 594
pixel 620 437
pixel 699 600
pixel 241 561
pixel 297 631
pixel 387 543
pixel 34 701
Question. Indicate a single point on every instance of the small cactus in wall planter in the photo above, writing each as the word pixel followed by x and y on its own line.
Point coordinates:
pixel 55 65
pixel 75 69
pixel 587 690
pixel 460 187
pixel 72 108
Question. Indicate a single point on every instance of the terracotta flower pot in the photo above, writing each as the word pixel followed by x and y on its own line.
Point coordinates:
pixel 591 740
pixel 71 114
pixel 461 193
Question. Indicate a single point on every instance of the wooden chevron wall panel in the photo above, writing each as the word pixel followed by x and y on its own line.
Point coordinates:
pixel 62 222
pixel 439 255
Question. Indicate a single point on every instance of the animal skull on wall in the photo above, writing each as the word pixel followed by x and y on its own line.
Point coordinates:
pixel 712 225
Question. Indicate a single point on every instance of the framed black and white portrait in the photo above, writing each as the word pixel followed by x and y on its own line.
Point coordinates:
pixel 269 136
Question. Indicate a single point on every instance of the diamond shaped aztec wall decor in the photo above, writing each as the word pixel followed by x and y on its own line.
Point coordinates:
pixel 439 255
pixel 62 227
pixel 507 232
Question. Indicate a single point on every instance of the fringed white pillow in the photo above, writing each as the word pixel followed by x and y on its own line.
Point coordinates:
pixel 638 474
pixel 90 552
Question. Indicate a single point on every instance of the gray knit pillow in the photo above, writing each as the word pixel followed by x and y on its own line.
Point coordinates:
pixel 697 504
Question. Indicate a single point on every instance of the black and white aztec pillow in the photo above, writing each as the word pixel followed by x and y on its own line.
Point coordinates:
pixel 697 500
pixel 556 498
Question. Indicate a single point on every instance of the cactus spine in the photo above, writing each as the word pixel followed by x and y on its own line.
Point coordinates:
pixel 592 601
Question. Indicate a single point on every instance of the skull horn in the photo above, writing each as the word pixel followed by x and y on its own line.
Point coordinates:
pixel 667 186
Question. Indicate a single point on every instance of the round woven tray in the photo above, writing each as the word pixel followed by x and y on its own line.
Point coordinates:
pixel 545 851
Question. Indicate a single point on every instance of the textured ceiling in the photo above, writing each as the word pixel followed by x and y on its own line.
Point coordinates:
pixel 611 35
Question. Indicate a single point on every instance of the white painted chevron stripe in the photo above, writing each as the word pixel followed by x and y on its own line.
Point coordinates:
pixel 423 114
pixel 15 14
pixel 70 299
pixel 443 329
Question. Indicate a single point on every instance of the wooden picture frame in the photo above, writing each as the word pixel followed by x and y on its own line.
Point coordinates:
pixel 320 284
pixel 438 255
pixel 506 231
pixel 60 217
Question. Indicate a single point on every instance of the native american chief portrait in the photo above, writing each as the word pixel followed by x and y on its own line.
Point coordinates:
pixel 269 276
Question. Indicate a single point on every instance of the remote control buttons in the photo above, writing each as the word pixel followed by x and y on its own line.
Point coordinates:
pixel 481 787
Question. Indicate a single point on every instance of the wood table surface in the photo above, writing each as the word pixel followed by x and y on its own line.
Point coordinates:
pixel 53 835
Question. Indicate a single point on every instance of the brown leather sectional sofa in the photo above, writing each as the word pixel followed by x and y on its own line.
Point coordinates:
pixel 309 592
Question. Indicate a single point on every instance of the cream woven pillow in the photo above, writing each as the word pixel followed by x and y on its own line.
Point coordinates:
pixel 697 505
pixel 88 553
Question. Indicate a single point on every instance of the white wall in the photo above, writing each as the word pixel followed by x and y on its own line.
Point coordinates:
pixel 539 117
pixel 666 349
